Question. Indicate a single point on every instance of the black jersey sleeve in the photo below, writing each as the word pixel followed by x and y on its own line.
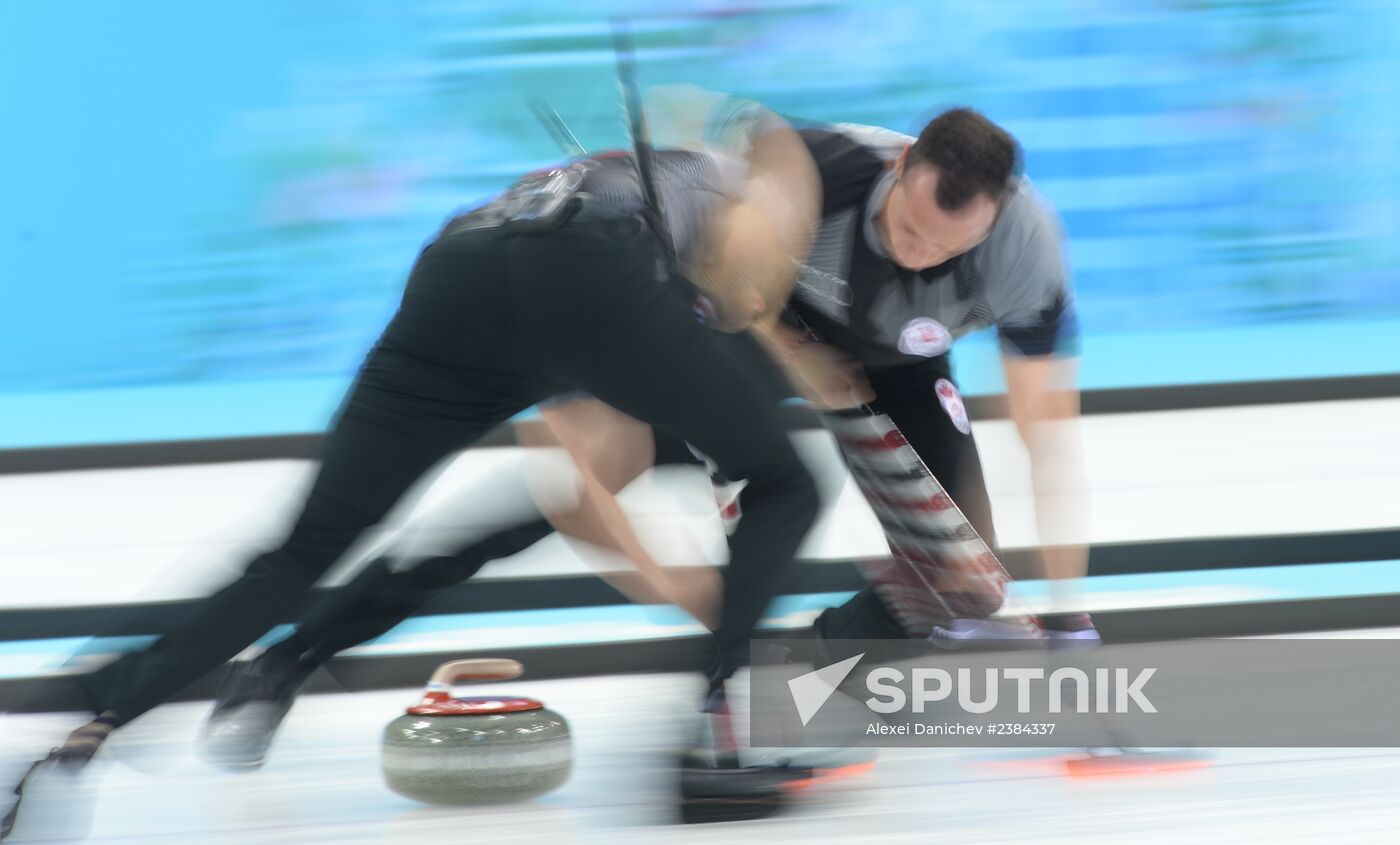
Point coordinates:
pixel 847 167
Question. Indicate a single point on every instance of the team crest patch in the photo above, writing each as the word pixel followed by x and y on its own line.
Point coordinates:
pixel 953 406
pixel 922 336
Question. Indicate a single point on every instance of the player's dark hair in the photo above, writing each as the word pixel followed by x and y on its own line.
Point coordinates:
pixel 974 157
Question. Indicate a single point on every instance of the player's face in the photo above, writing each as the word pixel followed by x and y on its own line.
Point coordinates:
pixel 918 234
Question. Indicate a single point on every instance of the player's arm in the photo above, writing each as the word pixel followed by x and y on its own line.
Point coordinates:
pixel 793 178
pixel 1043 396
pixel 784 186
pixel 783 200
pixel 756 241
pixel 1038 331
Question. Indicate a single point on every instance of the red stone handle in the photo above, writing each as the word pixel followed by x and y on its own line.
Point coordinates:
pixel 437 698
pixel 484 669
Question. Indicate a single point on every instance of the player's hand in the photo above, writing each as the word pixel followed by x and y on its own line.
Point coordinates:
pixel 828 378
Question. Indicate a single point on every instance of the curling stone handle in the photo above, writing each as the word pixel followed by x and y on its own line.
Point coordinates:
pixel 484 669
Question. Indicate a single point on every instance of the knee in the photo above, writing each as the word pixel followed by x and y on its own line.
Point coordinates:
pixel 804 488
pixel 790 480
pixel 288 568
pixel 433 574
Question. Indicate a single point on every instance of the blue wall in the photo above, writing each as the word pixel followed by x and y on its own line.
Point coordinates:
pixel 207 209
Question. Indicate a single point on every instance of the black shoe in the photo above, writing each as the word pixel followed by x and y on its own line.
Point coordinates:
pixel 716 782
pixel 50 802
pixel 254 698
pixel 828 648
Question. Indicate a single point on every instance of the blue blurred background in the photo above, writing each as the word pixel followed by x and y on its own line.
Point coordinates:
pixel 207 209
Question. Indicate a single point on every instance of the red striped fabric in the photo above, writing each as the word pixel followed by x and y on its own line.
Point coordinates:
pixel 939 568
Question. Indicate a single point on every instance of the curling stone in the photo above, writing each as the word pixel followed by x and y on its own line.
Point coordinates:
pixel 477 750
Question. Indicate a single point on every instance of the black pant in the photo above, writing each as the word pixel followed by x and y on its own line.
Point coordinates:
pixel 491 323
pixel 381 595
pixel 907 394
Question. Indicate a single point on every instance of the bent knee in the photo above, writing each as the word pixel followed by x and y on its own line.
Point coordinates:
pixel 788 477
